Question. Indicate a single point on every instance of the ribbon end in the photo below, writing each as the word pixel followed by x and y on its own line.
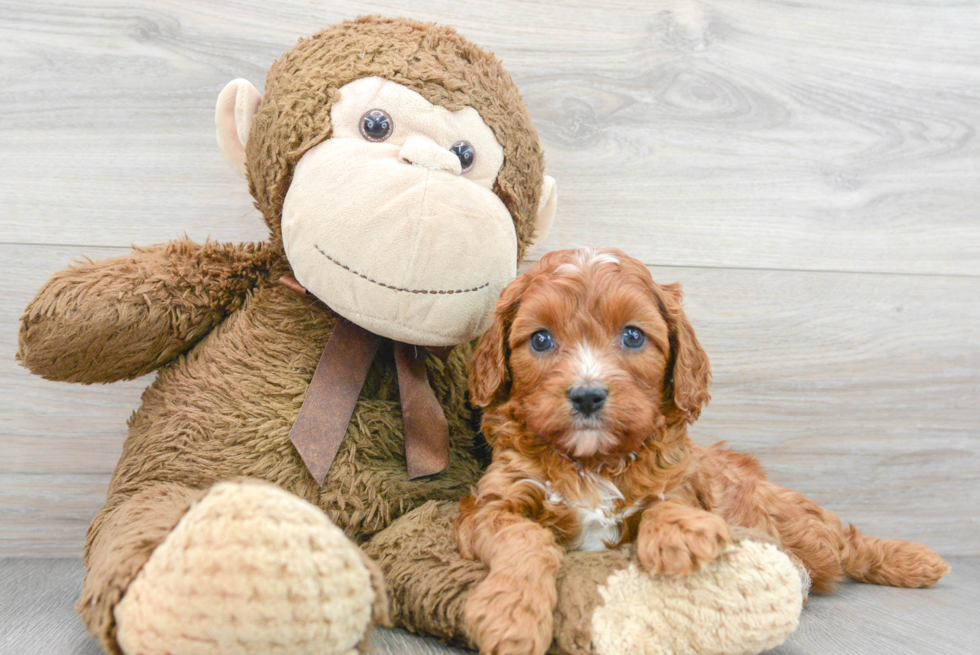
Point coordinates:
pixel 319 478
pixel 424 469
pixel 315 464
pixel 331 397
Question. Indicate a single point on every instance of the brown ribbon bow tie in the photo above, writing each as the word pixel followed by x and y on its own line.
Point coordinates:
pixel 326 412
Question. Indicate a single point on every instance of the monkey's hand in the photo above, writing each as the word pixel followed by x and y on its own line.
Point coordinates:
pixel 123 317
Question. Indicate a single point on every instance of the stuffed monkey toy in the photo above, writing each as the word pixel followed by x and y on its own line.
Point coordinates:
pixel 293 472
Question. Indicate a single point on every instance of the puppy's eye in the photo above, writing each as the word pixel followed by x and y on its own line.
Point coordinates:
pixel 541 341
pixel 376 125
pixel 466 153
pixel 633 337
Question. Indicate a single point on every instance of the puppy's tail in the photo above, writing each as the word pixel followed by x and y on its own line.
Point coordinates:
pixel 894 562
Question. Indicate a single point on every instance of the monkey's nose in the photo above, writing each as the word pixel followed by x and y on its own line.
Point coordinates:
pixel 425 152
pixel 588 399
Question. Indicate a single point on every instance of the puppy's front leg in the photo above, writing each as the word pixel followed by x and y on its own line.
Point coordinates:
pixel 511 612
pixel 677 539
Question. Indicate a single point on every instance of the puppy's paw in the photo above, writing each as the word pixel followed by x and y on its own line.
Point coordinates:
pixel 507 616
pixel 679 540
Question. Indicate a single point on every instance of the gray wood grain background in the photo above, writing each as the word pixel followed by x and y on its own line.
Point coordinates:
pixel 809 170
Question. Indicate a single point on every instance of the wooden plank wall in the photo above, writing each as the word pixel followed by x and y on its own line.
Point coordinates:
pixel 808 170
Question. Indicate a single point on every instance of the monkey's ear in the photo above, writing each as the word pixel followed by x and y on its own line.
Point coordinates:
pixel 546 211
pixel 237 104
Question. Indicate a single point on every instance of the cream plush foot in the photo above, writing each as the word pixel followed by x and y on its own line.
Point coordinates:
pixel 747 601
pixel 249 569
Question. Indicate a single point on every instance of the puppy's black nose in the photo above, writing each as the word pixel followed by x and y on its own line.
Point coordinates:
pixel 588 399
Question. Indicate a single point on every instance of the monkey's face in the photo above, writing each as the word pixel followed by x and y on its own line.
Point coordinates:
pixel 392 222
pixel 399 171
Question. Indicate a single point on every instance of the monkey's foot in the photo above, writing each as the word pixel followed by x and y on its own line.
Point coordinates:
pixel 251 569
pixel 745 602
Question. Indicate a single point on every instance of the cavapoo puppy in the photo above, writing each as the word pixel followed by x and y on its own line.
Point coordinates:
pixel 589 375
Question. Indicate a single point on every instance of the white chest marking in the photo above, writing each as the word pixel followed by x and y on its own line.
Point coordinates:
pixel 599 524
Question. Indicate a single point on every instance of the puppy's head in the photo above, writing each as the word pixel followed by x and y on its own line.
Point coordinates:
pixel 591 354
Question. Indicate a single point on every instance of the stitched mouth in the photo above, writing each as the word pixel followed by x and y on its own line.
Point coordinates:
pixel 436 292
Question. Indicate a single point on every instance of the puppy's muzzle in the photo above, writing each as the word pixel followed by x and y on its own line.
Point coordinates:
pixel 587 399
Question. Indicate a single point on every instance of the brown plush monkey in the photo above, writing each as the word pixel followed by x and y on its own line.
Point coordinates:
pixel 401 180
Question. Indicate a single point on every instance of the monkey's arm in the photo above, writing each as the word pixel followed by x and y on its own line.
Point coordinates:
pixel 123 317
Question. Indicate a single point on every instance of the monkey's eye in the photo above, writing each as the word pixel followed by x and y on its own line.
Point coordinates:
pixel 466 153
pixel 376 125
pixel 633 337
pixel 541 341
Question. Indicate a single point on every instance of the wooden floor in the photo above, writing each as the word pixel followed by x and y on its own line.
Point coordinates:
pixel 36 617
pixel 808 169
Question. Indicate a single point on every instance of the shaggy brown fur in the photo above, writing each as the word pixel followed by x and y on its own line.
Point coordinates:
pixel 236 350
pixel 553 463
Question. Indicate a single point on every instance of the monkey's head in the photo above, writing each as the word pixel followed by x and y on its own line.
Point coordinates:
pixel 397 168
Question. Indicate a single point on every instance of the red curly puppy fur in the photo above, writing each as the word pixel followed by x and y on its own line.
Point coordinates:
pixel 590 374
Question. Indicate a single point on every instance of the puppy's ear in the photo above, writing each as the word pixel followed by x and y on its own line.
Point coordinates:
pixel 688 371
pixel 488 370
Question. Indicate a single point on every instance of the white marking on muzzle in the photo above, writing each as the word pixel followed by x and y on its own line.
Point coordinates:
pixel 589 366
pixel 586 442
